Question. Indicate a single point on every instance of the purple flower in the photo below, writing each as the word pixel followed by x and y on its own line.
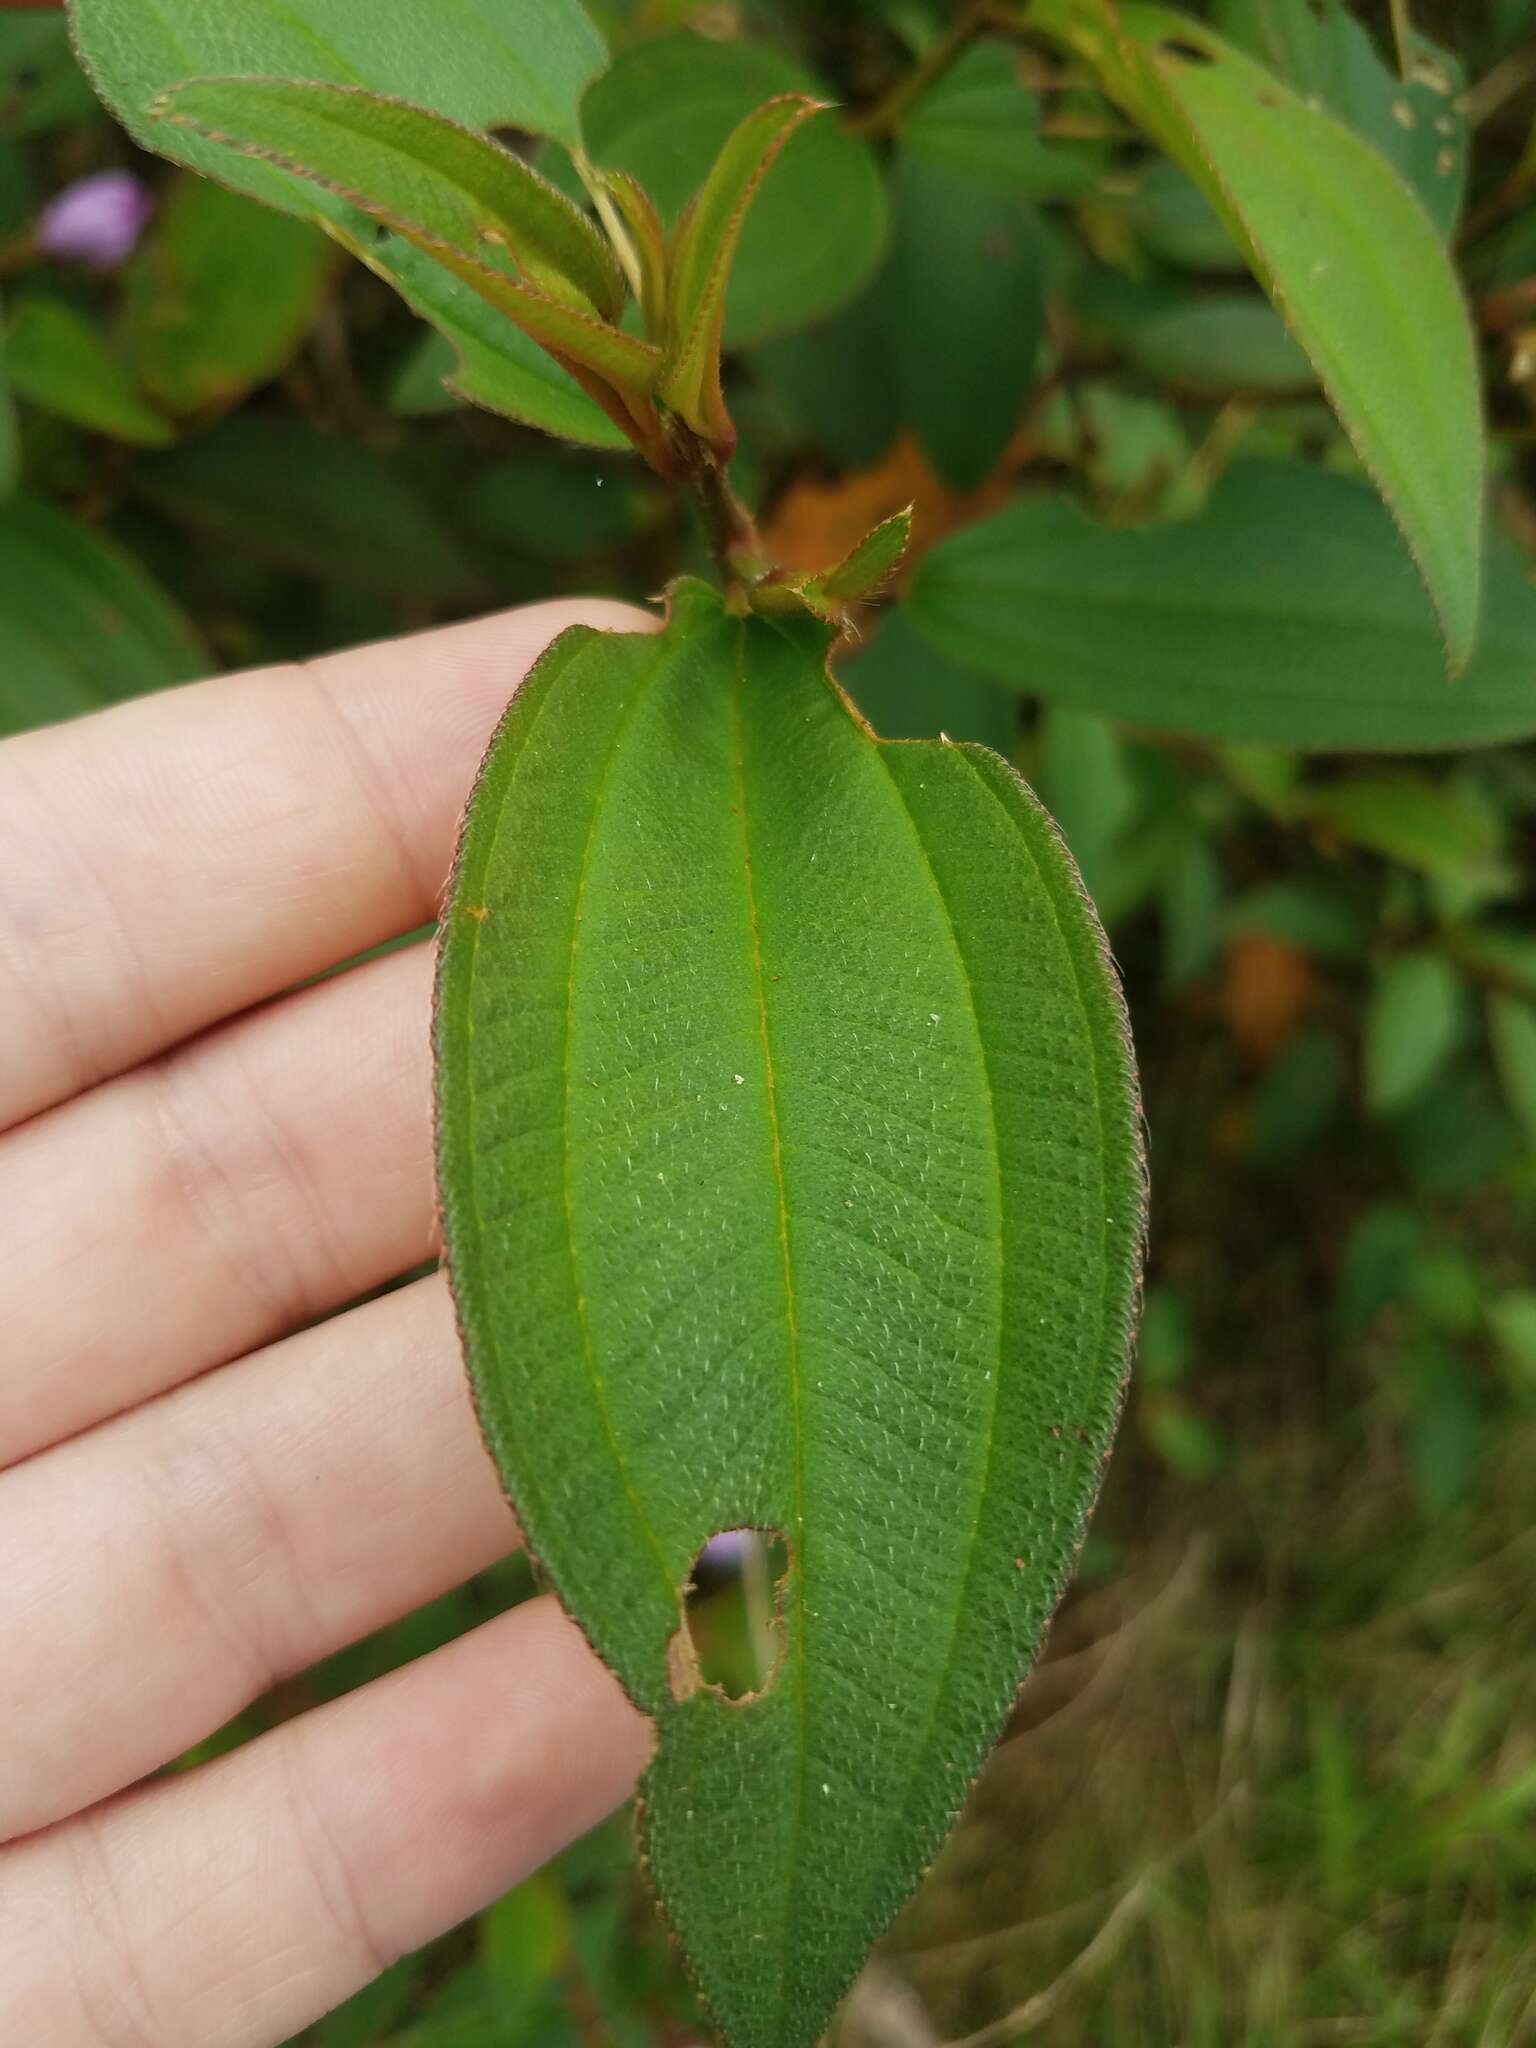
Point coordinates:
pixel 96 220
pixel 727 1551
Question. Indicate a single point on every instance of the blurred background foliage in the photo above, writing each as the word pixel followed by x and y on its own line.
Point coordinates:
pixel 1275 1782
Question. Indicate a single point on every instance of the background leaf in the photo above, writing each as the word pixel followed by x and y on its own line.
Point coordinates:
pixel 1417 122
pixel 1413 1024
pixel 220 296
pixel 817 227
pixel 10 439
pixel 41 88
pixel 1221 341
pixel 1512 1028
pixel 485 63
pixel 825 1027
pixel 909 691
pixel 478 75
pixel 980 122
pixel 1347 254
pixel 967 310
pixel 299 498
pixel 57 360
pixel 81 622
pixel 1213 627
pixel 499 367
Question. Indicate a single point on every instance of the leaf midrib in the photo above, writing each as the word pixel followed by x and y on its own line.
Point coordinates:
pixel 797 1544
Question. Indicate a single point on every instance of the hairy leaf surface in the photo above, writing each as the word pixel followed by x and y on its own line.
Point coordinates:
pixel 1348 255
pixel 818 226
pixel 490 63
pixel 703 251
pixel 431 178
pixel 477 70
pixel 791 1179
pixel 1285 612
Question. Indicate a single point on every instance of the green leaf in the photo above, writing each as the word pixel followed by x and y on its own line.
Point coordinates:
pixel 867 567
pixel 967 314
pixel 418 387
pixel 41 88
pixel 1220 342
pixel 817 229
pixel 1436 828
pixel 499 367
pixel 648 239
pixel 1084 778
pixel 1345 251
pixel 1312 919
pixel 909 692
pixel 220 296
pixel 1177 222
pixel 524 1940
pixel 10 437
pixel 1413 1024
pixel 1512 1029
pixel 478 75
pixel 1418 123
pixel 836 380
pixel 1209 627
pixel 554 509
pixel 1512 1324
pixel 1448 1424
pixel 433 180
pixel 55 358
pixel 81 623
pixel 703 250
pixel 304 500
pixel 458 198
pixel 790 1177
pixel 483 62
pixel 979 121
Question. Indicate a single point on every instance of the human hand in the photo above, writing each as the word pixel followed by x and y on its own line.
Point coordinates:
pixel 202 1490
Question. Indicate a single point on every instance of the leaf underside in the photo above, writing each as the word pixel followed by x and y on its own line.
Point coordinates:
pixel 791 1178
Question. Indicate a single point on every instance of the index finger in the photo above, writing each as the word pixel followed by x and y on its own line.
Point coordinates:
pixel 171 861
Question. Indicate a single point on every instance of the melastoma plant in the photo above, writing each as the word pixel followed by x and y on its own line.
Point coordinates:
pixel 788 1138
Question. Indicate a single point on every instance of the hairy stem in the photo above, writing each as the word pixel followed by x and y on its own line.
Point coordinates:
pixel 728 525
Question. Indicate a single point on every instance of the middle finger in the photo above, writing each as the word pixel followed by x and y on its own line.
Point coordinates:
pixel 215 1199
pixel 164 1570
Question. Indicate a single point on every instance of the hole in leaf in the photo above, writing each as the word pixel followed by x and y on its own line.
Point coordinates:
pixel 732 1637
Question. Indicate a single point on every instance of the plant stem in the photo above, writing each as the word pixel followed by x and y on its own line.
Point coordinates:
pixel 884 115
pixel 729 526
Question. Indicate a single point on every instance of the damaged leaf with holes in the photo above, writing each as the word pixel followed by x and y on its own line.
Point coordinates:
pixel 791 1182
